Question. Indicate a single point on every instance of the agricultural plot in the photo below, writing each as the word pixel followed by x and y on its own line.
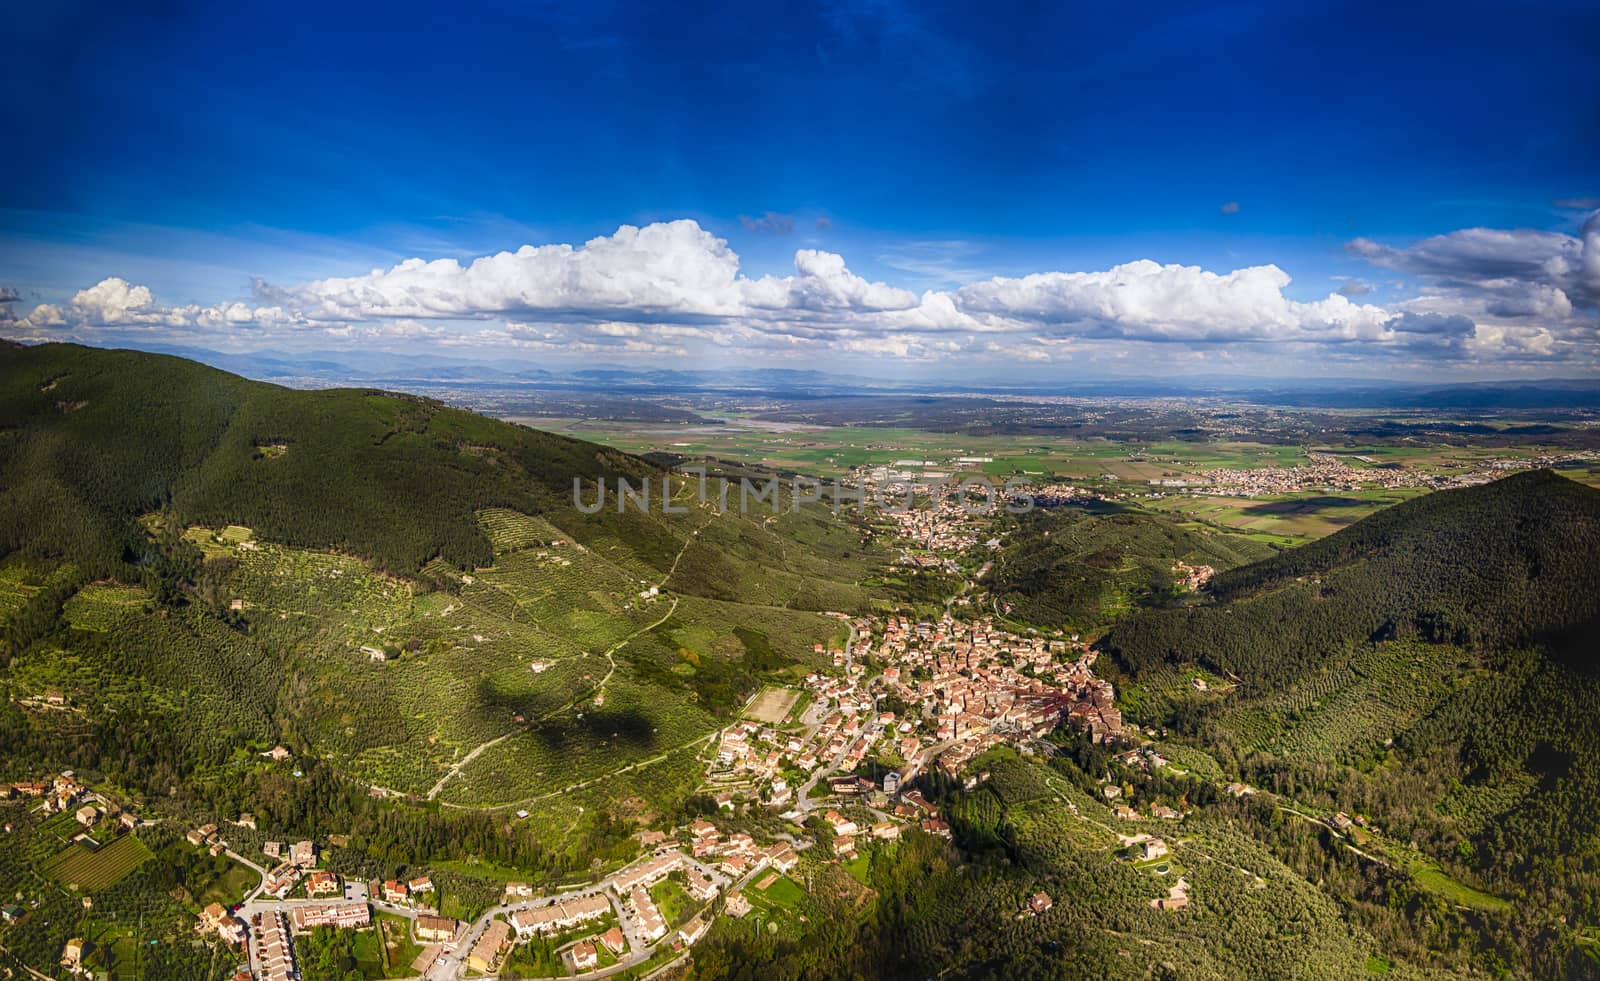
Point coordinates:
pixel 19 582
pixel 92 869
pixel 576 595
pixel 636 723
pixel 1158 691
pixel 554 664
pixel 637 797
pixel 101 606
pixel 301 597
pixel 1246 907
pixel 207 682
pixel 1472 807
pixel 511 531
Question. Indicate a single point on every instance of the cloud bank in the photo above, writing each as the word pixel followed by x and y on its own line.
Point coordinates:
pixel 674 289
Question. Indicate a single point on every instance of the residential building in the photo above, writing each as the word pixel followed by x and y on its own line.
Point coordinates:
pixel 489 946
pixel 435 929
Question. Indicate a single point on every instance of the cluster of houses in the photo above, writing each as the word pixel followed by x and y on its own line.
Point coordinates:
pixel 302 856
pixel 735 855
pixel 1192 577
pixel 57 795
pixel 64 793
pixel 406 893
pixel 560 916
pixel 946 526
pixel 980 686
pixel 1321 470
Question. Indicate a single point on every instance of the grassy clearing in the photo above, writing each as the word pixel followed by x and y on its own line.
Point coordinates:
pixel 229 887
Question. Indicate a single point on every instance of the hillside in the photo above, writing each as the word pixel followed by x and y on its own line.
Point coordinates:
pixel 1073 567
pixel 199 564
pixel 1432 667
pixel 94 438
pixel 1484 567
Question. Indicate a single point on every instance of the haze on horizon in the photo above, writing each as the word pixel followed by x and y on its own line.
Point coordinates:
pixel 885 189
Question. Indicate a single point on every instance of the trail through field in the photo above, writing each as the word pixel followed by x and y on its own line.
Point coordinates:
pixel 638 764
pixel 597 690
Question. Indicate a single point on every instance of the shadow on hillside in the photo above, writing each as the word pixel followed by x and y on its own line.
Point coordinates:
pixel 1305 505
pixel 567 730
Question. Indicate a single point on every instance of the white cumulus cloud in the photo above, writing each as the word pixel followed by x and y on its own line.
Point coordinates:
pixel 675 290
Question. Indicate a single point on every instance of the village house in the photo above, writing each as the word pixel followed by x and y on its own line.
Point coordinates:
pixel 281 879
pixel 232 931
pixel 72 954
pixel 1040 902
pixel 782 857
pixel 322 884
pixel 700 885
pixel 645 874
pixel 584 956
pixel 435 929
pixel 614 940
pixel 692 931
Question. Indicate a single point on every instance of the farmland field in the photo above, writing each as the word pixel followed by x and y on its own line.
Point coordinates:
pixel 93 869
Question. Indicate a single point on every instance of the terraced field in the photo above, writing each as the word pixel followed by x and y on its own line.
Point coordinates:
pixel 102 606
pixel 18 584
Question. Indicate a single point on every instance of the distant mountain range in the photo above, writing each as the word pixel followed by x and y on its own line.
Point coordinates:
pixel 420 371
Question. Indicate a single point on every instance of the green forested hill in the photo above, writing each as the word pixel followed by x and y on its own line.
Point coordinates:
pixel 1433 667
pixel 1068 566
pixel 90 439
pixel 1505 563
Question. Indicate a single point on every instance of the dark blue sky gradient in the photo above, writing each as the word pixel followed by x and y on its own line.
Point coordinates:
pixel 203 144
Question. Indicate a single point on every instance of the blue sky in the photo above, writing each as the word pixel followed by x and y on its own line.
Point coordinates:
pixel 1438 163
